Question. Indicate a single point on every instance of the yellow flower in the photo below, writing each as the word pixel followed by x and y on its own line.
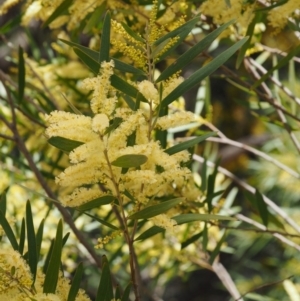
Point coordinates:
pixel 100 123
pixel 14 272
pixel 101 101
pixel 149 91
pixel 176 119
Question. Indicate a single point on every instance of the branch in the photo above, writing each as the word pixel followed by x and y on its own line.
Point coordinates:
pixel 226 279
pixel 257 153
pixel 275 81
pixel 275 104
pixel 251 189
pixel 263 286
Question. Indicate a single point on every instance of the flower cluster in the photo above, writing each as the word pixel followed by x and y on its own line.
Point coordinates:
pixel 102 144
pixel 16 281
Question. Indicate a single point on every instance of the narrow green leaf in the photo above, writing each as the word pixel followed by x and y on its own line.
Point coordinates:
pixel 123 67
pixel 62 9
pixel 181 36
pixel 132 33
pixel 48 256
pixel 51 277
pixel 64 144
pixel 96 203
pixel 75 283
pixel 11 23
pixel 115 123
pixel 249 33
pixel 88 61
pixel 21 75
pixel 217 249
pixel 65 239
pixel 105 40
pixel 22 237
pixel 87 51
pixel 150 232
pixel 101 221
pixel 203 175
pixel 94 19
pixel 269 7
pixel 121 85
pixel 211 186
pixel 280 64
pixel 154 210
pixel 105 290
pixel 94 55
pixel 161 136
pixel 130 102
pixel 189 143
pixel 129 195
pixel 194 217
pixel 188 26
pixel 199 75
pixel 3 201
pixel 126 293
pixel 262 208
pixel 128 161
pixel 205 238
pixel 211 196
pixel 191 240
pixel 39 237
pixel 117 293
pixel 31 241
pixel 190 54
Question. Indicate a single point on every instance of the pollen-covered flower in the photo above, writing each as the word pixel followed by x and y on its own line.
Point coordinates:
pixel 175 119
pixel 104 99
pixel 7 5
pixel 100 123
pixel 163 221
pixel 171 84
pixel 278 17
pixel 14 272
pixel 149 91
pixel 70 126
pixel 82 195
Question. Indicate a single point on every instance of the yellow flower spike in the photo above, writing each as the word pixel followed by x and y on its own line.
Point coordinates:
pixel 7 5
pixel 101 101
pixel 100 123
pixel 148 89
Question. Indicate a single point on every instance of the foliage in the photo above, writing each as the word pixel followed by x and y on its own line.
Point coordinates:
pixel 110 133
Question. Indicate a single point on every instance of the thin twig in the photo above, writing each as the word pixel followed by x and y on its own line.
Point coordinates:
pixel 268 231
pixel 275 104
pixel 277 51
pixel 5 78
pixel 281 237
pixel 226 279
pixel 265 96
pixel 263 286
pixel 51 96
pixel 275 81
pixel 64 212
pixel 251 189
pixel 135 277
pixel 6 137
pixel 255 152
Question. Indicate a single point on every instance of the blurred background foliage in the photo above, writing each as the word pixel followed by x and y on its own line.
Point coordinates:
pixel 264 117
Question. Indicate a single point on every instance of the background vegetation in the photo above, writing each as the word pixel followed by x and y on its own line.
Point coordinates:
pixel 237 211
